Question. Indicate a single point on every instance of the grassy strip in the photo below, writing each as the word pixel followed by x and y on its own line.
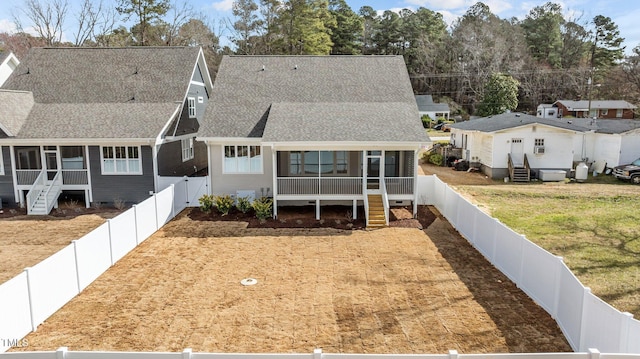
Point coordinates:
pixel 596 230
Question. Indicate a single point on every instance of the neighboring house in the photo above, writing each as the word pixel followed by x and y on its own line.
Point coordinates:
pixel 599 109
pixel 547 110
pixel 314 130
pixel 426 106
pixel 102 122
pixel 8 63
pixel 534 143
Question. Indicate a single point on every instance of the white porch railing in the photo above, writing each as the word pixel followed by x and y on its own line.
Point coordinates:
pixel 319 185
pixel 385 201
pixel 399 185
pixel 27 177
pixel 45 191
pixel 38 186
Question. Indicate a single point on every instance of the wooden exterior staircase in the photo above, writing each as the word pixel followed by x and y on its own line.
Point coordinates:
pixel 519 173
pixel 376 213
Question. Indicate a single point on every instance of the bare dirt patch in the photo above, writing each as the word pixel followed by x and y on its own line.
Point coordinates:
pixel 395 290
pixel 27 240
pixel 455 178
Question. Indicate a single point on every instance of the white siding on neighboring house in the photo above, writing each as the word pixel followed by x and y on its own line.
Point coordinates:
pixel 606 148
pixel 228 183
pixel 630 147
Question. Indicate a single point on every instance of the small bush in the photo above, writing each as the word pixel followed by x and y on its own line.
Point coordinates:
pixel 243 204
pixel 263 208
pixel 223 204
pixel 426 121
pixel 119 204
pixel 206 203
pixel 436 159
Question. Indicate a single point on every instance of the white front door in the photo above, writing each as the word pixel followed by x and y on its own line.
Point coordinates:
pixel 375 169
pixel 51 161
pixel 517 152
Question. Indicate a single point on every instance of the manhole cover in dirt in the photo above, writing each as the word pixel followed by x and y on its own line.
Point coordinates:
pixel 248 281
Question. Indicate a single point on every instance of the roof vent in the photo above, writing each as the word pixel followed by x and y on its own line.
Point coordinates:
pixel 517 115
pixel 263 68
pixel 295 67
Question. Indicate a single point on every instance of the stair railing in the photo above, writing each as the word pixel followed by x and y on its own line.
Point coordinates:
pixel 365 200
pixel 53 190
pixel 385 201
pixel 527 167
pixel 511 167
pixel 36 189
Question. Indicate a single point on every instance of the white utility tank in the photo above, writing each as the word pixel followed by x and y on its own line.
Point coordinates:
pixel 582 172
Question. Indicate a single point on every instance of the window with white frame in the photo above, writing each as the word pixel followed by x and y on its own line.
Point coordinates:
pixel 187 149
pixel 310 163
pixel 619 113
pixel 191 102
pixel 242 159
pixel 538 142
pixel 121 160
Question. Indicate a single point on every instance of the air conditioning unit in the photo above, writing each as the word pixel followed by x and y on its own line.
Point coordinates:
pixel 538 150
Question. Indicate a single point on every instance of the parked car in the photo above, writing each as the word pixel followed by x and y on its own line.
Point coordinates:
pixel 630 172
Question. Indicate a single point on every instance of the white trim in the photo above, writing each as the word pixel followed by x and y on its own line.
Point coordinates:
pixel 78 141
pixel 192 109
pixel 128 172
pixel 317 145
pixel 90 190
pixel 196 82
pixel 187 152
pixel 159 137
pixel 6 130
pixel 14 175
pixel 1 163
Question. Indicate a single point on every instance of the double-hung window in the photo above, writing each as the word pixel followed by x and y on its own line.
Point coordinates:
pixel 121 160
pixel 242 159
pixel 187 149
pixel 191 102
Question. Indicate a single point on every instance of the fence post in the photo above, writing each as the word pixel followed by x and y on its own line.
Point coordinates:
pixel 33 324
pixel 110 242
pixel 583 318
pixel 523 239
pixel 594 353
pixel 75 256
pixel 186 354
pixel 453 354
pixel 317 353
pixel 155 204
pixel 624 332
pixel 173 201
pixel 494 241
pixel 556 288
pixel 135 222
pixel 61 353
pixel 186 190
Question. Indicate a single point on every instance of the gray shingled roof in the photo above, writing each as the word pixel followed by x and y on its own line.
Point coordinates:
pixel 14 109
pixel 317 87
pixel 616 126
pixel 583 105
pixel 69 120
pixel 100 75
pixel 322 121
pixel 510 120
pixel 426 104
pixel 102 92
pixel 3 55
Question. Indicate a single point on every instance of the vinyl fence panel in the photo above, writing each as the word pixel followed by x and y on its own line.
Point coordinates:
pixel 508 252
pixel 93 255
pixel 439 195
pixel 15 315
pixel 485 237
pixel 180 196
pixel 601 326
pixel 540 275
pixel 633 337
pixel 196 188
pixel 426 190
pixel 467 219
pixel 164 206
pixel 451 208
pixel 123 234
pixel 570 302
pixel 52 283
pixel 146 220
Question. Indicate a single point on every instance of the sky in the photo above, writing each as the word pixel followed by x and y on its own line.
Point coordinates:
pixel 625 13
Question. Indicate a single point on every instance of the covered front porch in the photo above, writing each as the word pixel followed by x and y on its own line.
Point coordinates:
pixel 355 177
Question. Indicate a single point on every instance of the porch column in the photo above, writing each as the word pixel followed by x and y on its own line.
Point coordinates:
pixel 88 197
pixel 355 209
pixel 274 168
pixel 18 198
pixel 317 209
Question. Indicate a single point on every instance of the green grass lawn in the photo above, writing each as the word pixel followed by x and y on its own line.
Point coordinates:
pixel 595 226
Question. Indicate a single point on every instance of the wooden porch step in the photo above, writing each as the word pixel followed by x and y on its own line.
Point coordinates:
pixel 377 216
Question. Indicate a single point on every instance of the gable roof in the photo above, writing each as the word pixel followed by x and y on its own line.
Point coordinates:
pixel 256 96
pixel 511 120
pixel 583 105
pixel 86 92
pixel 426 104
pixel 14 109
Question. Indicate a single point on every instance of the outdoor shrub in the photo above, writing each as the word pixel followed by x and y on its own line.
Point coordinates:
pixel 243 205
pixel 206 203
pixel 263 208
pixel 223 204
pixel 436 159
pixel 426 121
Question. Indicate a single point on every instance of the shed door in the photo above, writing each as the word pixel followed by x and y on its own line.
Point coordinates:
pixel 517 152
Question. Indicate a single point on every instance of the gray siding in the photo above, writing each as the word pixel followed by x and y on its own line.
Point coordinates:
pixel 6 181
pixel 129 188
pixel 170 159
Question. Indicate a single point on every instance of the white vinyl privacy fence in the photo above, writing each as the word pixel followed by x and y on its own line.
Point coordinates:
pixel 586 320
pixel 31 297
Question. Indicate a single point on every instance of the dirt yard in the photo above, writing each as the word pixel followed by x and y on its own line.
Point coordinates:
pixel 395 290
pixel 26 240
pixel 448 175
